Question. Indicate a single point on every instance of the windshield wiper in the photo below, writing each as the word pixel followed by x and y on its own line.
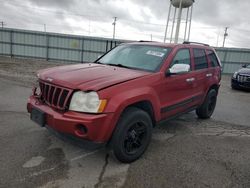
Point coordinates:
pixel 119 65
pixel 98 62
pixel 116 65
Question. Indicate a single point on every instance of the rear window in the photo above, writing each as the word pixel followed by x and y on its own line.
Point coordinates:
pixel 200 60
pixel 213 59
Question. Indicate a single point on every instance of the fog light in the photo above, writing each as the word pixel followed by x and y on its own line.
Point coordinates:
pixel 81 130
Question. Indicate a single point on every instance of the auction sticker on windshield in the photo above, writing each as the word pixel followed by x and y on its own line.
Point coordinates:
pixel 155 53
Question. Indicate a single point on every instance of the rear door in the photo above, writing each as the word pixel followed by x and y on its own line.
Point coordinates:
pixel 200 72
pixel 214 74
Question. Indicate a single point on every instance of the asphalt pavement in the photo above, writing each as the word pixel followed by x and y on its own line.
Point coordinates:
pixel 186 152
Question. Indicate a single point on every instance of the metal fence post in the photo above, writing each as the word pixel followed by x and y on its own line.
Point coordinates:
pixel 107 44
pixel 47 46
pixel 111 44
pixel 11 44
pixel 82 50
pixel 224 61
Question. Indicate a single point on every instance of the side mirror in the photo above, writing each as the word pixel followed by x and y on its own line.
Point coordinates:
pixel 178 69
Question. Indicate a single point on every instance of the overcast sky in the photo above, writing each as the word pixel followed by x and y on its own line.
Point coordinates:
pixel 137 19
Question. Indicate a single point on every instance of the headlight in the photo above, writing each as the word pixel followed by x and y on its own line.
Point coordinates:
pixel 36 89
pixel 235 75
pixel 87 102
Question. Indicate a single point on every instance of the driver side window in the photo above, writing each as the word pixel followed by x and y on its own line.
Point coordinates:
pixel 181 57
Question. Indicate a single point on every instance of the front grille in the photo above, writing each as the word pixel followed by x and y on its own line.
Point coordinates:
pixel 55 96
pixel 243 78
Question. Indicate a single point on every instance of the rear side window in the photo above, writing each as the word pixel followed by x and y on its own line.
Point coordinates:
pixel 200 60
pixel 213 59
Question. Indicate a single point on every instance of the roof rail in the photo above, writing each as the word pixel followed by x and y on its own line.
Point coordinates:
pixel 145 41
pixel 188 42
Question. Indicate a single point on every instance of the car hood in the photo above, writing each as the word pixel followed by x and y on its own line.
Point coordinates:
pixel 244 71
pixel 88 76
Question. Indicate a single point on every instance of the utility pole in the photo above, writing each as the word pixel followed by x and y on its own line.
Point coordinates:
pixel 225 36
pixel 2 24
pixel 114 24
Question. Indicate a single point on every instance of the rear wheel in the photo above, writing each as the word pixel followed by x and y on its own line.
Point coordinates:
pixel 132 135
pixel 207 108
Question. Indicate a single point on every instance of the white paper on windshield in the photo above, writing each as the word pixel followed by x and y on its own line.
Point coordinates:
pixel 155 53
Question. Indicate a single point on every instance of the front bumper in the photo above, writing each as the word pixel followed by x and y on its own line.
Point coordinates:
pixel 236 84
pixel 99 127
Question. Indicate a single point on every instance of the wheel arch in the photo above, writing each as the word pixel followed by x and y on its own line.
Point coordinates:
pixel 146 106
pixel 215 87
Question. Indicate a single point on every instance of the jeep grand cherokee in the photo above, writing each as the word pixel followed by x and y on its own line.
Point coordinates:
pixel 119 98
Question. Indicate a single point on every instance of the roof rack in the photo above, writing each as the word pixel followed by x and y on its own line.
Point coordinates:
pixel 145 41
pixel 188 42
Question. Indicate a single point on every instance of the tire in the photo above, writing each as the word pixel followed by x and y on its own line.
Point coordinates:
pixel 206 110
pixel 234 87
pixel 132 135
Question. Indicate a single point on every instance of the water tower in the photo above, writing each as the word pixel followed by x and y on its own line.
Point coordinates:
pixel 176 23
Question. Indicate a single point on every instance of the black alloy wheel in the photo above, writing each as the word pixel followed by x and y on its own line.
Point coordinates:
pixel 135 138
pixel 132 135
pixel 207 108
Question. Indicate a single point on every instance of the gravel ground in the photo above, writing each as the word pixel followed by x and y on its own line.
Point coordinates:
pixel 23 70
pixel 186 152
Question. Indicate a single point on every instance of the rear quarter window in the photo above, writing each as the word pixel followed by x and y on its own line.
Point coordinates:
pixel 200 59
pixel 213 58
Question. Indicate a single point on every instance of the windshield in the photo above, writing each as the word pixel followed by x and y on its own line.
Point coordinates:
pixel 143 57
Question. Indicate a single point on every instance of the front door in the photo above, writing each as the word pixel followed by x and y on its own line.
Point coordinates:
pixel 177 90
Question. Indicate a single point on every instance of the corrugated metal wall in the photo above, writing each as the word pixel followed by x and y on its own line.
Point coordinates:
pixel 51 46
pixel 60 47
pixel 233 58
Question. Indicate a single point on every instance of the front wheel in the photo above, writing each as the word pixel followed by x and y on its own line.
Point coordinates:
pixel 233 86
pixel 207 108
pixel 132 135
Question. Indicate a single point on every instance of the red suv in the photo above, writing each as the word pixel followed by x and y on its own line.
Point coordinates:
pixel 119 98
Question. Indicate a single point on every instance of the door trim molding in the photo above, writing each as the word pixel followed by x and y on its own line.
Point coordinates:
pixel 180 104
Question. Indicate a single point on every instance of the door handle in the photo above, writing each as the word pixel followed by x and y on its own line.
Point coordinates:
pixel 190 80
pixel 209 75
